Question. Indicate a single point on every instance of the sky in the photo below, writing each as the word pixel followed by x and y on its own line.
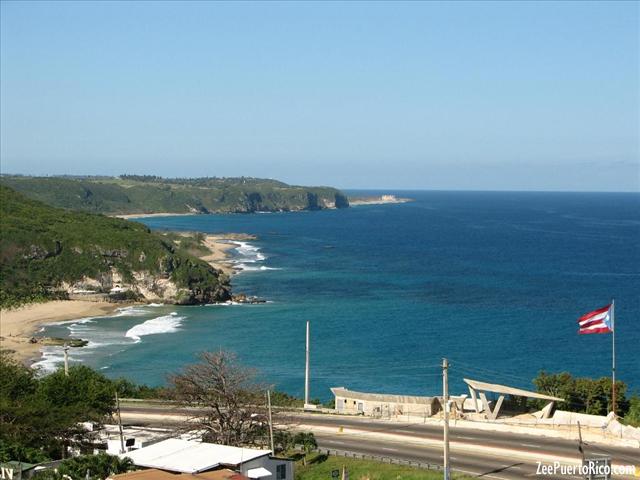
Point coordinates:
pixel 461 95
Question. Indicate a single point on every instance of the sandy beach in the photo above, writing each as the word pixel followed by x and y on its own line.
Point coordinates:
pixel 18 325
pixel 131 216
pixel 220 246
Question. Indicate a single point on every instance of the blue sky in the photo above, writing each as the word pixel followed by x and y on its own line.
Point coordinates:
pixel 507 96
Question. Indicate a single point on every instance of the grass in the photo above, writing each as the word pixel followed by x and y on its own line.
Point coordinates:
pixel 320 466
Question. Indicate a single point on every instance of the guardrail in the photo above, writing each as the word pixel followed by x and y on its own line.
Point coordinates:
pixel 379 458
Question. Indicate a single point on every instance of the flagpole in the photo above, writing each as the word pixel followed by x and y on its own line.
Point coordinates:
pixel 613 356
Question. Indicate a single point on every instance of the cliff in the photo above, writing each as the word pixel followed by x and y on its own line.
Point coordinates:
pixel 50 253
pixel 135 194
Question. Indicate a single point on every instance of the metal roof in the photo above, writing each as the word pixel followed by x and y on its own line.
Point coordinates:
pixel 188 456
pixel 494 387
pixel 155 474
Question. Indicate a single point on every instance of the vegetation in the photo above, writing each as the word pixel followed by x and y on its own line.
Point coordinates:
pixel 320 466
pixel 40 416
pixel 128 389
pixel 228 398
pixel 584 395
pixel 282 399
pixel 632 417
pixel 98 467
pixel 130 194
pixel 42 247
pixel 307 441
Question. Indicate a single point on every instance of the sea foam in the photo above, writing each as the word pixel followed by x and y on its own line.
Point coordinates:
pixel 165 324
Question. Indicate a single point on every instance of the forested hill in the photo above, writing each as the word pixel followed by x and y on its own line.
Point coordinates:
pixel 48 253
pixel 139 194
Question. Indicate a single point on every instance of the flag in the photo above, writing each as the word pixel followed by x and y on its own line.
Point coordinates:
pixel 598 321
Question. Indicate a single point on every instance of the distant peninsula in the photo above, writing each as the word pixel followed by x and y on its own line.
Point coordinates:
pixel 146 194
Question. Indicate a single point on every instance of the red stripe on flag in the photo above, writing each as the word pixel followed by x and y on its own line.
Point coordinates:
pixel 599 321
pixel 587 316
pixel 594 330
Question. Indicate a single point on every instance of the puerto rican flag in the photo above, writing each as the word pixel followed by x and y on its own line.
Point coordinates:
pixel 598 321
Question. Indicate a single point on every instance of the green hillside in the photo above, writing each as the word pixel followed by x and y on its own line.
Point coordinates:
pixel 131 194
pixel 46 251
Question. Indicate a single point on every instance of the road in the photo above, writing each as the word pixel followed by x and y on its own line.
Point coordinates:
pixel 481 453
pixel 506 455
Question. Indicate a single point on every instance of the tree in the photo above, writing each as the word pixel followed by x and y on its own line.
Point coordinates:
pixel 26 434
pixel 633 414
pixel 83 393
pixel 586 395
pixel 99 467
pixel 230 401
pixel 40 416
pixel 308 442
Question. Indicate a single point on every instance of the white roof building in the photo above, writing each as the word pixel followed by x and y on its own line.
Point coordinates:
pixel 189 456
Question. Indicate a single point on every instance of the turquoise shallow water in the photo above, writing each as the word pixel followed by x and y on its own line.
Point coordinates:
pixel 493 281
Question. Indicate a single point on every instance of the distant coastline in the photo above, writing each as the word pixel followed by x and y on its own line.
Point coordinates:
pixel 377 200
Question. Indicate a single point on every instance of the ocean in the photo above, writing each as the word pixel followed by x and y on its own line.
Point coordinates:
pixel 493 281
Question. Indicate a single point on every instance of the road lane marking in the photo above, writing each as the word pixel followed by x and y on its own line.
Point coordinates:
pixel 389 449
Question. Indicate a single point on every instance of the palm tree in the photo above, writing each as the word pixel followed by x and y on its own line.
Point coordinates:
pixel 308 442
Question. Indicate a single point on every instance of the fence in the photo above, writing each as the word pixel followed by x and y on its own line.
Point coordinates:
pixel 379 458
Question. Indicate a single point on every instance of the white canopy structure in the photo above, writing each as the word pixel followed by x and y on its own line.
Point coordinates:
pixel 483 387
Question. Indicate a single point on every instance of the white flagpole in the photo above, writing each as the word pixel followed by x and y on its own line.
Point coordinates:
pixel 613 357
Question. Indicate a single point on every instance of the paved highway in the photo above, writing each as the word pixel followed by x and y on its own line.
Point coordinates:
pixel 511 441
pixel 486 454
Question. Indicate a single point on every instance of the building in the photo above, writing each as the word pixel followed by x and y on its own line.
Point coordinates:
pixel 384 405
pixel 154 474
pixel 133 438
pixel 194 457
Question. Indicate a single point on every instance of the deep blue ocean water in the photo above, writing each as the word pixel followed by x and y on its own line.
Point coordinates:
pixel 492 281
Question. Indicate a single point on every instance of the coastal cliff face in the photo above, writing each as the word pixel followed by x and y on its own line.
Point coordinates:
pixel 52 253
pixel 131 194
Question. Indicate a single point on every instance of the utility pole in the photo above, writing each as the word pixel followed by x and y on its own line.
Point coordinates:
pixel 306 371
pixel 445 398
pixel 273 451
pixel 119 424
pixel 66 359
pixel 580 449
pixel 613 357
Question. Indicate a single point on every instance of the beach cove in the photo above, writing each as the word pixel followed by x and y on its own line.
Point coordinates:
pixel 21 327
pixel 391 289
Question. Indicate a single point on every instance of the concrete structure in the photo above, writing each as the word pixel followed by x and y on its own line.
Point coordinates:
pixel 384 405
pixel 189 456
pixel 491 414
pixel 134 437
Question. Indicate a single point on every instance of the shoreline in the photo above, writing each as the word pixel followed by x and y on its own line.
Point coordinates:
pixel 129 216
pixel 219 246
pixel 17 326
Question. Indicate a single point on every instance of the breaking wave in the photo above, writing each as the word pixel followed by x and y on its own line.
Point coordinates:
pixel 165 324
